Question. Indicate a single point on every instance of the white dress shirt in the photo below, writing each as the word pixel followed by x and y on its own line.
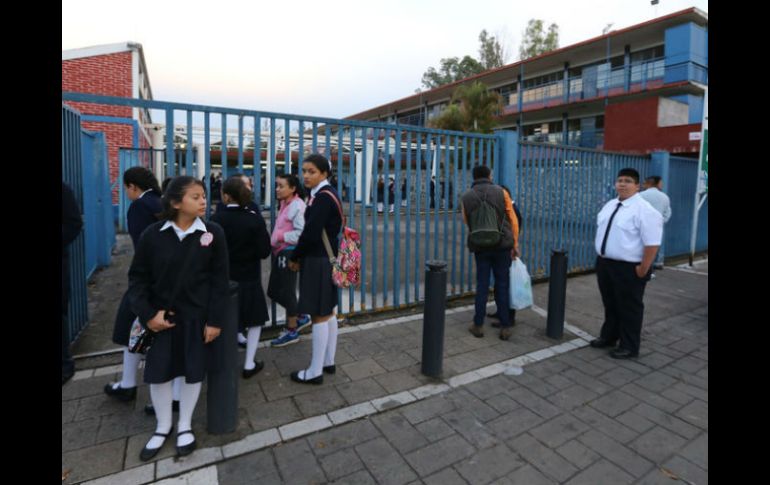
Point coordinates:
pixel 197 225
pixel 637 224
pixel 318 187
pixel 659 201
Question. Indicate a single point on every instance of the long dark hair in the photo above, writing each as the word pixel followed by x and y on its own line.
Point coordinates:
pixel 236 188
pixel 175 193
pixel 320 162
pixel 293 182
pixel 142 178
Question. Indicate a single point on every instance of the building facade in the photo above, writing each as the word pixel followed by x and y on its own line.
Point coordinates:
pixel 634 90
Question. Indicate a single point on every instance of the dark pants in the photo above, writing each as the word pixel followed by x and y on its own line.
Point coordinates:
pixel 499 263
pixel 622 295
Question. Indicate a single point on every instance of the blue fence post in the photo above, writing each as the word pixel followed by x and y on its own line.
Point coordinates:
pixel 505 171
pixel 660 165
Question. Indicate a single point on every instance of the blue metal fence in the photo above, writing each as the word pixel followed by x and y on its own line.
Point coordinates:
pixel 85 170
pixel 559 189
pixel 680 187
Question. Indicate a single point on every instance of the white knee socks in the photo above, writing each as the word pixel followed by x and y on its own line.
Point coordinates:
pixel 130 366
pixel 331 345
pixel 320 340
pixel 252 341
pixel 188 398
pixel 178 381
pixel 161 401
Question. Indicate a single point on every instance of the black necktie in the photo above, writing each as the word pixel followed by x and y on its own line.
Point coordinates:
pixel 607 232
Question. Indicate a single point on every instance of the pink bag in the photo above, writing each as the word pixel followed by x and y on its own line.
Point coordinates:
pixel 346 267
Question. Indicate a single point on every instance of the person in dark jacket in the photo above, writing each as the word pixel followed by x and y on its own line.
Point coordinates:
pixel 247 243
pixel 511 311
pixel 317 293
pixel 178 288
pixel 252 206
pixel 71 224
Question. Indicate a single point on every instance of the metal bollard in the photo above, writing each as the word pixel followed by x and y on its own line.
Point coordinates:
pixel 557 294
pixel 433 318
pixel 222 394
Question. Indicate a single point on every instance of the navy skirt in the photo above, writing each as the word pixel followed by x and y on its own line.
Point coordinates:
pixel 317 293
pixel 123 321
pixel 252 307
pixel 179 351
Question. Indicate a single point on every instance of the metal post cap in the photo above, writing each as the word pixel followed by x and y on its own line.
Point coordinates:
pixel 436 265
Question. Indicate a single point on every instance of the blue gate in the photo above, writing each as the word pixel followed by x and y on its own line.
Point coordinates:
pixel 680 188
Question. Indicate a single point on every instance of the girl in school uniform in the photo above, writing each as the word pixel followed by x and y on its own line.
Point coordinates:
pixel 282 287
pixel 141 188
pixel 247 243
pixel 317 293
pixel 178 288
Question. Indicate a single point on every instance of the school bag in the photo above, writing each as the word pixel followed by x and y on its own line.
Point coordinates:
pixel 485 227
pixel 346 267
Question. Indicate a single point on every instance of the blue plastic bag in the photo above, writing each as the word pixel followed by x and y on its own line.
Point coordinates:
pixel 520 286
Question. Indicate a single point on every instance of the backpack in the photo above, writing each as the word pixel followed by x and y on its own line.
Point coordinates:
pixel 346 267
pixel 485 228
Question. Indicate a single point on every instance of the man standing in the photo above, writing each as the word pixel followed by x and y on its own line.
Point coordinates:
pixel 492 234
pixel 653 194
pixel 71 224
pixel 628 236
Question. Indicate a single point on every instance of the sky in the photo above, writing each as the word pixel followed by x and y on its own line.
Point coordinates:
pixel 330 58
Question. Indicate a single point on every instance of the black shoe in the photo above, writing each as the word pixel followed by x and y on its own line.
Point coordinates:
pixel 330 369
pixel 122 394
pixel 600 343
pixel 476 330
pixel 314 380
pixel 248 373
pixel 150 410
pixel 148 453
pixel 623 354
pixel 188 448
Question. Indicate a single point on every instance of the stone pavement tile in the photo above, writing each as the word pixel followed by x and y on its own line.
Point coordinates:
pixel 547 368
pixel 572 397
pixel 341 463
pixel 596 357
pixel 544 459
pixel 692 391
pixel 576 363
pixel 628 460
pixel 428 408
pixel 635 421
pixel 434 429
pixel 685 345
pixel 86 387
pixel 517 421
pixel 559 381
pixel 664 419
pixel 619 376
pixel 384 462
pixel 534 383
pixel 395 360
pixel 486 388
pixel 525 475
pixel 602 423
pixel 68 410
pixel 477 407
pixel 532 401
pixel 677 396
pixel 94 461
pixel 697 451
pixel 447 476
pixel 486 466
pixel 668 351
pixel 653 398
pixel 454 346
pixel 578 454
pixel 658 444
pixel 470 428
pixel 341 437
pixel 79 434
pixel 558 430
pixel 201 457
pixel 273 414
pixel 679 467
pixel 434 457
pixel 696 413
pixel 397 381
pixel 601 472
pixel 502 403
pixel 655 360
pixel 140 474
pixel 655 381
pixel 319 402
pixel 257 467
pixel 252 442
pixel 402 435
pixel 120 425
pixel 586 380
pixel 102 405
pixel 363 369
pixel 361 477
pixel 488 355
pixel 360 391
pixel 297 464
pixel 632 364
pixel 457 364
pixel 614 403
pixel 282 388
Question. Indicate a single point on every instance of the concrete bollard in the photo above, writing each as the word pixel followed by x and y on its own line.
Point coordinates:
pixel 433 318
pixel 222 394
pixel 557 294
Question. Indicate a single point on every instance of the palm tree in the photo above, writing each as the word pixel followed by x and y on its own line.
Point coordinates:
pixel 473 108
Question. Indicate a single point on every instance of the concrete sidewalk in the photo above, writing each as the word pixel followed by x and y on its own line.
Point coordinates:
pixel 573 416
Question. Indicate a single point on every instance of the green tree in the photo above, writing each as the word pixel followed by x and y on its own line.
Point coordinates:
pixel 491 53
pixel 473 108
pixel 452 69
pixel 536 41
